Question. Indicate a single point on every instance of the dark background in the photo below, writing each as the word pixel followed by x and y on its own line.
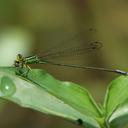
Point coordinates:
pixel 32 26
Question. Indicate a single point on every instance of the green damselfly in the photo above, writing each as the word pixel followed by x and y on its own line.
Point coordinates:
pixel 23 62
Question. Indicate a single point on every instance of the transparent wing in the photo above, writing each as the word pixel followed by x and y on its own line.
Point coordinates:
pixel 80 44
pixel 73 51
pixel 69 40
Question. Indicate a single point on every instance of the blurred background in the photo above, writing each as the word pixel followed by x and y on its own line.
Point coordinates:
pixel 33 26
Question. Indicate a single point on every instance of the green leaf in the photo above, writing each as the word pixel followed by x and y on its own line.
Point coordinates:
pixel 42 92
pixel 116 102
pixel 71 93
pixel 119 118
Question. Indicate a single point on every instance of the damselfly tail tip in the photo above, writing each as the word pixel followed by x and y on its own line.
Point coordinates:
pixel 121 72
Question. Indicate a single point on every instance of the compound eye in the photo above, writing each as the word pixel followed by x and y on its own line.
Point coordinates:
pixel 16 63
pixel 19 57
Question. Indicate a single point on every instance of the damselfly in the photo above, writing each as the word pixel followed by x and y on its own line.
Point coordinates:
pixel 23 62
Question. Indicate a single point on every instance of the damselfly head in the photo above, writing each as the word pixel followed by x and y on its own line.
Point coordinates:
pixel 19 57
pixel 20 61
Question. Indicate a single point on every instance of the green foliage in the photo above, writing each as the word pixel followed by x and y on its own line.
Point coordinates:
pixel 42 92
